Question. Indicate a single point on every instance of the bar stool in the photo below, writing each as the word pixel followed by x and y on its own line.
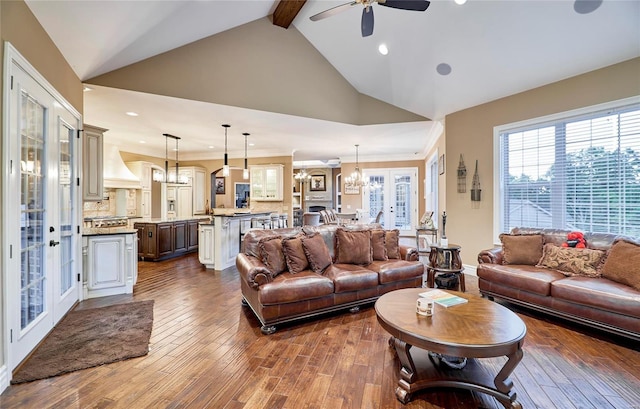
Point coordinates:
pixel 274 220
pixel 284 220
pixel 311 219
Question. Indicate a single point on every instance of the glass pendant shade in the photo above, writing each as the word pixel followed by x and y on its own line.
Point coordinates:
pixel 245 171
pixel 225 167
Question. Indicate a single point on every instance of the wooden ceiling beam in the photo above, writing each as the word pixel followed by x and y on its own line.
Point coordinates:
pixel 286 11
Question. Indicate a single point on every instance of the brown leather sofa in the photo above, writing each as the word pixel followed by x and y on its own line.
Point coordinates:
pixel 597 301
pixel 286 296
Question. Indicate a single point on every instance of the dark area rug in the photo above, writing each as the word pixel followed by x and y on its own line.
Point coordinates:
pixel 91 337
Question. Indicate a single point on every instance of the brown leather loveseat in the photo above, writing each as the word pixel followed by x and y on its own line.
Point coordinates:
pixel 598 286
pixel 295 273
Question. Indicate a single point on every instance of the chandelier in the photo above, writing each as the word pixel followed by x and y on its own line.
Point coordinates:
pixel 168 176
pixel 357 178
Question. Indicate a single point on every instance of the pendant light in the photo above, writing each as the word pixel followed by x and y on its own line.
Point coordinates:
pixel 245 171
pixel 166 157
pixel 225 167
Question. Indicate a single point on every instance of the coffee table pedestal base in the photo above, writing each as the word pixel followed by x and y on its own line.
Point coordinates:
pixel 428 375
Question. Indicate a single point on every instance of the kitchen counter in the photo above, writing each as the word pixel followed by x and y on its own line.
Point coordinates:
pixel 170 220
pixel 101 231
pixel 237 215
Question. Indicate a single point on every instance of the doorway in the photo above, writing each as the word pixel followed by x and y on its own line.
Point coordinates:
pixel 42 213
pixel 394 192
pixel 241 195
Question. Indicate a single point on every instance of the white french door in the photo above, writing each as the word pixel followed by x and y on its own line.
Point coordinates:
pixel 395 193
pixel 41 209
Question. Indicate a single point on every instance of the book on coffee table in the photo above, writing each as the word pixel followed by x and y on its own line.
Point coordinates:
pixel 443 298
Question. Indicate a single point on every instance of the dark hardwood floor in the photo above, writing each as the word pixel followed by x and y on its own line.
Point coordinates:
pixel 207 351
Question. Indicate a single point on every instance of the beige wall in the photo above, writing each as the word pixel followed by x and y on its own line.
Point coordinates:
pixel 257 66
pixel 470 132
pixel 20 28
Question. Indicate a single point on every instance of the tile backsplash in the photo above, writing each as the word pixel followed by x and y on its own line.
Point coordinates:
pixel 107 207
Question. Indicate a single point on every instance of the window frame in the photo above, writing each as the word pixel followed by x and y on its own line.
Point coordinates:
pixel 498 177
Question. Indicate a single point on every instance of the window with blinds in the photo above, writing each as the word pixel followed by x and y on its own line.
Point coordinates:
pixel 579 172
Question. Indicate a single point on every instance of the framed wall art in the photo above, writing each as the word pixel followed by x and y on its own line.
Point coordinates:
pixel 318 183
pixel 219 186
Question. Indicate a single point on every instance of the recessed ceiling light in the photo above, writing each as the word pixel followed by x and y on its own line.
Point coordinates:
pixel 443 69
pixel 460 1
pixel 586 6
pixel 210 146
pixel 382 48
pixel 143 141
pixel 252 144
pixel 87 89
pixel 131 113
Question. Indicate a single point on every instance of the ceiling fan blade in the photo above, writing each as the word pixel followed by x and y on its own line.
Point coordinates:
pixel 332 11
pixel 367 21
pixel 415 5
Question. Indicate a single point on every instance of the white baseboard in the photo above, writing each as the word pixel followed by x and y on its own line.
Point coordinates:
pixel 471 270
pixel 4 378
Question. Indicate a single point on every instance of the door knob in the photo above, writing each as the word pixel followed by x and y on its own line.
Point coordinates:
pixel 53 243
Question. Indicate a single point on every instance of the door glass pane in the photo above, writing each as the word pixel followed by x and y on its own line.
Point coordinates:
pixel 67 199
pixel 402 206
pixel 376 197
pixel 32 213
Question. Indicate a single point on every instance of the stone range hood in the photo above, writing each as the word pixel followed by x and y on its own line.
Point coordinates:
pixel 115 173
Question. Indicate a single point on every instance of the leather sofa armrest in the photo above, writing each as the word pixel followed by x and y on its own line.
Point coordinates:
pixel 252 270
pixel 491 256
pixel 408 253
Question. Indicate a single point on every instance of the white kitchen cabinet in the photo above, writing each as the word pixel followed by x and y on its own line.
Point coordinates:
pixel 143 203
pixel 206 250
pixel 172 193
pixel 184 202
pixel 199 186
pixel 110 264
pixel 142 170
pixel 92 148
pixel 266 182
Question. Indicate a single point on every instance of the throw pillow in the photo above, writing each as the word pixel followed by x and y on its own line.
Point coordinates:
pixel 623 263
pixel 521 248
pixel 379 245
pixel 353 247
pixel 317 253
pixel 392 242
pixel 294 254
pixel 271 254
pixel 571 261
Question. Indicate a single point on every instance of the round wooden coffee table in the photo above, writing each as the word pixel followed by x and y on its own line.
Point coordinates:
pixel 477 329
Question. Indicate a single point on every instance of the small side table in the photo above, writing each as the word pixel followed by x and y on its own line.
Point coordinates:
pixel 445 259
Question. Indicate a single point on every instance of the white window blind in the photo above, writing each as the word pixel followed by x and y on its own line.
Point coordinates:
pixel 579 173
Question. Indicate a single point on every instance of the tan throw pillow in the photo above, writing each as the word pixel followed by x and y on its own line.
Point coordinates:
pixel 379 245
pixel 521 249
pixel 317 253
pixel 571 261
pixel 294 254
pixel 353 247
pixel 392 242
pixel 623 263
pixel 271 254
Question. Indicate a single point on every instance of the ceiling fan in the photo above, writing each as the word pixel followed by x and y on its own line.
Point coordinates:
pixel 367 12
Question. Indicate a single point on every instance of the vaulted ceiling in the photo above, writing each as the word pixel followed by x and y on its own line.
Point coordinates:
pixel 494 49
